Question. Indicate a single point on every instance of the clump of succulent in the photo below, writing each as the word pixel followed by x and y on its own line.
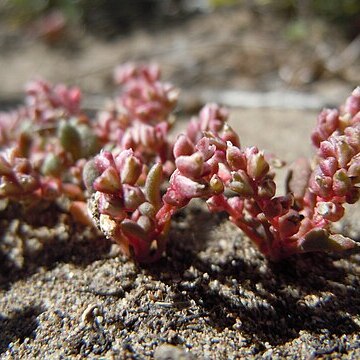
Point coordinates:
pixel 125 210
pixel 18 177
pixel 210 164
pixel 44 145
pixel 141 178
pixel 280 226
pixel 139 117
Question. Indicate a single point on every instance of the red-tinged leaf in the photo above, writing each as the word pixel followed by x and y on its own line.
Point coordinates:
pixel 108 182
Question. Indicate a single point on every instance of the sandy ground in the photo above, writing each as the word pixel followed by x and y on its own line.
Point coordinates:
pixel 67 293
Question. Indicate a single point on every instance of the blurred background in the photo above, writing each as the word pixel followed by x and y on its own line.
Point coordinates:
pixel 283 55
pixel 202 45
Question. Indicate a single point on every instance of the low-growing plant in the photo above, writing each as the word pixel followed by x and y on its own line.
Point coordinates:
pixel 141 178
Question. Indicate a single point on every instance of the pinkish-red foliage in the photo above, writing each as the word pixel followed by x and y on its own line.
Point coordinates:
pixel 141 178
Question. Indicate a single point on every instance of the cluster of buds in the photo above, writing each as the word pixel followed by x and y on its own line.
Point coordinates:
pixel 44 106
pixel 47 103
pixel 125 203
pixel 239 182
pixel 144 96
pixel 17 176
pixel 19 180
pixel 335 179
pixel 197 157
pixel 235 180
pixel 140 118
pixel 40 120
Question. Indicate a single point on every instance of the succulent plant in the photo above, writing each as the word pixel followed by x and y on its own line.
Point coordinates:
pixel 124 210
pixel 141 177
pixel 210 164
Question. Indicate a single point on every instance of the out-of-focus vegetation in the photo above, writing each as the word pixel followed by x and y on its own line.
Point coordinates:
pixel 110 16
pixel 343 13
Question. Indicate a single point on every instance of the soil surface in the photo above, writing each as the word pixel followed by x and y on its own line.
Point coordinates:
pixel 67 293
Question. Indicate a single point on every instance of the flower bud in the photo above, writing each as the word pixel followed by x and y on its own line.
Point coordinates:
pixel 237 204
pixel 235 157
pixel 104 160
pixel 206 149
pixel 28 183
pixel 212 117
pixel 273 208
pixel 51 188
pixel 327 123
pixel 216 141
pixel 216 185
pixel 354 168
pixel 147 135
pixel 127 140
pixel 352 134
pixel 240 183
pixel 286 201
pixel 229 135
pixel 174 198
pixel 257 166
pixel 215 204
pixel 327 149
